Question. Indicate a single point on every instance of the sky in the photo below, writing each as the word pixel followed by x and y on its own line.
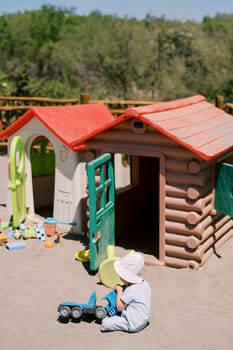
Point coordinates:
pixel 171 9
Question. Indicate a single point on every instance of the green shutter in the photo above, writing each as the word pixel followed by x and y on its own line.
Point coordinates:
pixel 224 189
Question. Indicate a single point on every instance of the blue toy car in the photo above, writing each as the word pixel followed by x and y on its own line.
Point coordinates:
pixel 73 310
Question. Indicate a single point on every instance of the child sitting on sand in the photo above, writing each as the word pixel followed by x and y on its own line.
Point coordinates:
pixel 133 299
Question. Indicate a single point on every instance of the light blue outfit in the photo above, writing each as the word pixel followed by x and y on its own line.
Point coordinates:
pixel 136 315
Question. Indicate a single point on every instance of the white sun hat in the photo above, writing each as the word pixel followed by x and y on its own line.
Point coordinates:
pixel 129 268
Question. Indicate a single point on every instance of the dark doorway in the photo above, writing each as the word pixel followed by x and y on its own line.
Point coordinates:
pixel 43 169
pixel 137 208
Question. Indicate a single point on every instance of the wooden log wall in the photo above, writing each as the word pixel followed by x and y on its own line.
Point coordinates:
pixel 192 228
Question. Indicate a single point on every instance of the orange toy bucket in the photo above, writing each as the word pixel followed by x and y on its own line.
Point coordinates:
pixel 50 229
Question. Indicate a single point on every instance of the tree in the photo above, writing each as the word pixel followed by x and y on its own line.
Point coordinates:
pixel 56 52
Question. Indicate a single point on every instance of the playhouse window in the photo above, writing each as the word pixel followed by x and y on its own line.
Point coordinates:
pixel 126 171
pixel 126 160
pixel 42 157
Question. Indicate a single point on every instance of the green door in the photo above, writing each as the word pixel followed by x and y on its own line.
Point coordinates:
pixel 101 191
pixel 223 201
pixel 17 180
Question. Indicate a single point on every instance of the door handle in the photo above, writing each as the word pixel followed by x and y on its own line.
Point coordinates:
pixel 97 237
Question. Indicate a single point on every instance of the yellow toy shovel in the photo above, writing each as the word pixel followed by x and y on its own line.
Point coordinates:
pixel 107 274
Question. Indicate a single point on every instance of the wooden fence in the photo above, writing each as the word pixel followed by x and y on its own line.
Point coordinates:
pixel 12 107
pixel 220 103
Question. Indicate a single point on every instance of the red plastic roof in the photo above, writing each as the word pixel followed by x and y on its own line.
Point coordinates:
pixel 68 123
pixel 192 122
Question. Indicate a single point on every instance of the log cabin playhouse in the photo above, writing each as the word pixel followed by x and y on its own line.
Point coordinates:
pixel 172 170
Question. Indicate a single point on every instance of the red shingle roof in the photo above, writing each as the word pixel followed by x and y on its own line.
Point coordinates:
pixel 68 123
pixel 192 122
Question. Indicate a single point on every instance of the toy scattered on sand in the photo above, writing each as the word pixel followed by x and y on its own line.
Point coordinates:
pixel 56 221
pixel 13 240
pixel 71 310
pixel 4 225
pixel 83 255
pixel 15 246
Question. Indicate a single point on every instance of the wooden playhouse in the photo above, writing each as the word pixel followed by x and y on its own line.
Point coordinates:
pixel 178 205
pixel 175 203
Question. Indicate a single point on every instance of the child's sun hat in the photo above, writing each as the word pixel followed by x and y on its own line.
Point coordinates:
pixel 130 267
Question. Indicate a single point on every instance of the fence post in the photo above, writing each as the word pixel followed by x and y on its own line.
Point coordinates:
pixel 219 102
pixel 84 98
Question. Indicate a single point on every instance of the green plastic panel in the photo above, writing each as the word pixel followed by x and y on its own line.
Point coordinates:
pixel 42 160
pixel 17 181
pixel 224 189
pixel 101 207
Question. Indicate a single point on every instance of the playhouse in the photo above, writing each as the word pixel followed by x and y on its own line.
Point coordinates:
pixel 154 178
pixel 55 167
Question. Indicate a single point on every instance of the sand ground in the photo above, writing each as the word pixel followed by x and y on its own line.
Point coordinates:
pixel 191 310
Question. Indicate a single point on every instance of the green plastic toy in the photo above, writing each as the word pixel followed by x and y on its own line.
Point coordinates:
pixel 17 181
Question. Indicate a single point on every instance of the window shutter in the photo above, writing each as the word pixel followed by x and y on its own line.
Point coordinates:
pixel 223 202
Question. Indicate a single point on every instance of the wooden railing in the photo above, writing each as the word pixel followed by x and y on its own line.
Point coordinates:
pixel 116 107
pixel 227 106
pixel 23 103
pixel 13 107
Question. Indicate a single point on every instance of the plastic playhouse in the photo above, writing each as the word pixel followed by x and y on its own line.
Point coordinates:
pixel 158 177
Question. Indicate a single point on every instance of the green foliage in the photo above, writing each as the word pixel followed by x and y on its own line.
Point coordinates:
pixel 5 85
pixel 57 53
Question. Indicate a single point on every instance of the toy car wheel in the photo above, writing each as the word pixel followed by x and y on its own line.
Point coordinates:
pixel 76 312
pixel 65 311
pixel 100 312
